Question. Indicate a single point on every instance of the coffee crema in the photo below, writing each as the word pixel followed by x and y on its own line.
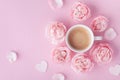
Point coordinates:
pixel 79 38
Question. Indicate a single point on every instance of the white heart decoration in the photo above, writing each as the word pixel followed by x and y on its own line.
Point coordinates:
pixel 115 70
pixel 110 34
pixel 42 66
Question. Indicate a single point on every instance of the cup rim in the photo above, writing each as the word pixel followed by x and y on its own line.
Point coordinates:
pixel 91 34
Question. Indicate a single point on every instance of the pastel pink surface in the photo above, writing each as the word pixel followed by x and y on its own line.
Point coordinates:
pixel 22 28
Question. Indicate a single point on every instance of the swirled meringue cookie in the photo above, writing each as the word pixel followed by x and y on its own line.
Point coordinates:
pixel 80 11
pixel 101 53
pixel 99 24
pixel 61 55
pixel 81 63
pixel 55 32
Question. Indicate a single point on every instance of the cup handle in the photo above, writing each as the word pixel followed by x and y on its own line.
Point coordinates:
pixel 98 38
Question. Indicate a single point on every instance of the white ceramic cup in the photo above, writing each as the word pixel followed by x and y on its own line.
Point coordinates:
pixel 92 38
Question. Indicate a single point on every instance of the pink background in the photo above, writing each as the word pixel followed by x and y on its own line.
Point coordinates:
pixel 22 28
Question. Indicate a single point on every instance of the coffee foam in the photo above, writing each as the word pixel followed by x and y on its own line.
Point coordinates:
pixel 79 38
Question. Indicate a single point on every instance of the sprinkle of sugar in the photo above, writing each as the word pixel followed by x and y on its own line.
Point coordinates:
pixel 115 70
pixel 42 66
pixel 12 56
pixel 110 34
pixel 54 4
pixel 58 76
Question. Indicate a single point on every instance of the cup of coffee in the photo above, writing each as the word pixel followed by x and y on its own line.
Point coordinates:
pixel 80 38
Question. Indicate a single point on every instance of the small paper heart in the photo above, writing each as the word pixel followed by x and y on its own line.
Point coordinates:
pixel 42 66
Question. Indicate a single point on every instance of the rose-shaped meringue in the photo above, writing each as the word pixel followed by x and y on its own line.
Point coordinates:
pixel 61 54
pixel 101 53
pixel 99 24
pixel 80 11
pixel 81 63
pixel 56 32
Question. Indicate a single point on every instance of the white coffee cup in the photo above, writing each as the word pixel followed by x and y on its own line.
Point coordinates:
pixel 91 37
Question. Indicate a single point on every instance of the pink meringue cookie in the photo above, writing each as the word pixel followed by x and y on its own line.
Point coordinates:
pixel 81 63
pixel 80 11
pixel 99 24
pixel 101 53
pixel 56 32
pixel 61 55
